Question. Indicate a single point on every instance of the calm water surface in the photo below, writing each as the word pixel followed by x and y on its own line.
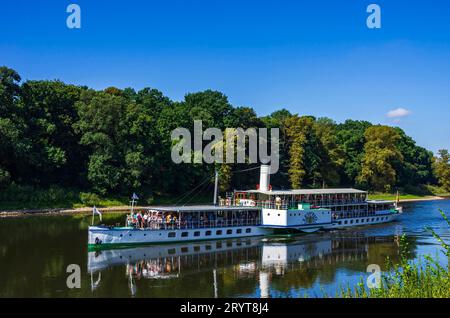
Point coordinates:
pixel 35 252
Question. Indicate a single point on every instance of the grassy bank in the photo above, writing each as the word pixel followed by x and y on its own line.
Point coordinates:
pixel 423 279
pixel 27 197
pixel 414 193
pixel 393 197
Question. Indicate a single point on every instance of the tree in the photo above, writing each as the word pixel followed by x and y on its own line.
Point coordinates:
pixel 298 130
pixel 350 137
pixel 441 167
pixel 13 144
pixel 50 110
pixel 278 119
pixel 211 107
pixel 417 166
pixel 380 156
pixel 329 151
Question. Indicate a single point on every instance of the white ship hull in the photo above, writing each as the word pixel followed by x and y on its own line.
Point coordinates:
pixel 361 221
pixel 114 236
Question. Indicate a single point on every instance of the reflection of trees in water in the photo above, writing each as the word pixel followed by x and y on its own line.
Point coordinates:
pixel 35 254
pixel 35 251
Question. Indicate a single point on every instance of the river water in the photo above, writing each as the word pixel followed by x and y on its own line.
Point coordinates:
pixel 36 251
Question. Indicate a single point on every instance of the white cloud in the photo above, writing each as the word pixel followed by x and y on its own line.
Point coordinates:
pixel 398 113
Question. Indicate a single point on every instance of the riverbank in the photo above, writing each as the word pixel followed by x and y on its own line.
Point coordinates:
pixel 406 198
pixel 61 211
pixel 125 208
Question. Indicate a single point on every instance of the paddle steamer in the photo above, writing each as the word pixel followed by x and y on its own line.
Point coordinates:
pixel 246 213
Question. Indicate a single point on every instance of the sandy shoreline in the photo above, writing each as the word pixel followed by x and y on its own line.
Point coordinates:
pixel 432 198
pixel 62 211
pixel 121 209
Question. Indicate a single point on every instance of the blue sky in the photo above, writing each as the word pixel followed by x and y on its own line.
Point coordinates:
pixel 311 57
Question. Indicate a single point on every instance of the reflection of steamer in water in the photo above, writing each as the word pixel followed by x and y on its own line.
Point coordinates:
pixel 197 256
pixel 250 257
pixel 316 251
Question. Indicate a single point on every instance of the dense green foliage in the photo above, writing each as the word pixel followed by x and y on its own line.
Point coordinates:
pixel 118 141
pixel 442 168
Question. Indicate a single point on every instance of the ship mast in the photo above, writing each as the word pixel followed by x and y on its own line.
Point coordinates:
pixel 216 184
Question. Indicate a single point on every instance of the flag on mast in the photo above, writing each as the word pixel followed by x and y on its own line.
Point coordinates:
pixel 96 211
pixel 134 197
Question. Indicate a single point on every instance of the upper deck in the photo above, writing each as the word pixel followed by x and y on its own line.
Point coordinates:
pixel 200 208
pixel 290 199
pixel 306 192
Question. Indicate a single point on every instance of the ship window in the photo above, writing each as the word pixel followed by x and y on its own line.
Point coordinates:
pixel 172 234
pixel 340 222
pixel 357 221
pixel 208 233
pixel 351 221
pixel 196 248
pixel 239 231
pixel 184 250
pixel 345 222
pixel 121 235
pixel 362 220
pixel 218 245
pixel 184 234
pixel 197 233
pixel 268 214
pixel 368 220
pixel 248 230
pixel 219 232
pixel 278 214
pixel 208 247
pixel 378 219
pixel 373 219
pixel 229 231
pixel 171 251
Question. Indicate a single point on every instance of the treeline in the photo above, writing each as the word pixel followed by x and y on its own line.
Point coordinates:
pixel 118 141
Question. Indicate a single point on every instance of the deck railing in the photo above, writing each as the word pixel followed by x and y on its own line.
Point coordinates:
pixel 284 205
pixel 194 224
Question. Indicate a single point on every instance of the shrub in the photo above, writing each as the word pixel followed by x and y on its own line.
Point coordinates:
pixel 89 199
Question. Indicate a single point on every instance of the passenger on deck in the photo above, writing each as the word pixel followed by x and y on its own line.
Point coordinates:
pixel 139 220
pixel 145 220
pixel 168 219
pixel 189 220
pixel 135 219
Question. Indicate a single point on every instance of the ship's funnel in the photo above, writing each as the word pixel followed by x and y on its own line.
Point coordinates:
pixel 264 178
